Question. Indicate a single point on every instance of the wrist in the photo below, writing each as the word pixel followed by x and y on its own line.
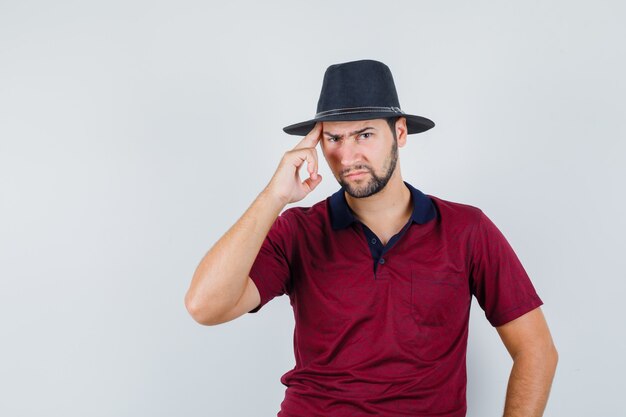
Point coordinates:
pixel 274 197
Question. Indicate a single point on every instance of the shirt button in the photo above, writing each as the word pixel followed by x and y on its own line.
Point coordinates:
pixel 381 261
pixel 373 241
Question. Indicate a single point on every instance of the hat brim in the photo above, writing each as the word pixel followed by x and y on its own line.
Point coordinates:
pixel 414 124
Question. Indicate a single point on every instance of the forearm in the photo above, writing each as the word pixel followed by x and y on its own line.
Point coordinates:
pixel 221 277
pixel 529 383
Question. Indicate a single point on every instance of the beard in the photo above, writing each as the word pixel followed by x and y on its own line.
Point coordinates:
pixel 375 183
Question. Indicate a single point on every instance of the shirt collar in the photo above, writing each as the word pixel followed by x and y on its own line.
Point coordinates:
pixel 341 215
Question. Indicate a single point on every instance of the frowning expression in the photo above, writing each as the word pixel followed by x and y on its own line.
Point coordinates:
pixel 362 154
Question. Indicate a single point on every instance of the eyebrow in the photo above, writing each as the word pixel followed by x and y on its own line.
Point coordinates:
pixel 356 132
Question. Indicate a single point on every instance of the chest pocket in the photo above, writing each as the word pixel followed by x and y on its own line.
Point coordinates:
pixel 439 298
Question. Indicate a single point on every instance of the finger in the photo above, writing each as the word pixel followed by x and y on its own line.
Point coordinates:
pixel 312 138
pixel 311 183
pixel 309 156
pixel 312 163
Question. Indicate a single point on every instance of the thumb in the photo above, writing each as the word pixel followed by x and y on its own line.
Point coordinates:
pixel 312 183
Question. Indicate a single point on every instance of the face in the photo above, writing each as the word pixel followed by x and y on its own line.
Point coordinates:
pixel 362 154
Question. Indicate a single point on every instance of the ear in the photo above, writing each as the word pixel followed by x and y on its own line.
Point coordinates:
pixel 401 131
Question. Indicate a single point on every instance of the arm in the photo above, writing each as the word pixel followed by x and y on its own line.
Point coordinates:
pixel 221 279
pixel 534 355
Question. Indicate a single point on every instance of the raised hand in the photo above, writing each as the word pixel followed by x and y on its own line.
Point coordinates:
pixel 286 183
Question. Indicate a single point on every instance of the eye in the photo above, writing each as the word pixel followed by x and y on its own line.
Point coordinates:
pixel 366 133
pixel 332 139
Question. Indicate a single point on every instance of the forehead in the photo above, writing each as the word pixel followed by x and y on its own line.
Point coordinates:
pixel 347 127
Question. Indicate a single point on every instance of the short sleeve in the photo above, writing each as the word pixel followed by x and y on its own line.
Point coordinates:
pixel 270 271
pixel 498 279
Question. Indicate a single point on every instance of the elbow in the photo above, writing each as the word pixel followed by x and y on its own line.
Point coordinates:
pixel 552 361
pixel 549 357
pixel 551 353
pixel 555 356
pixel 199 311
pixel 545 356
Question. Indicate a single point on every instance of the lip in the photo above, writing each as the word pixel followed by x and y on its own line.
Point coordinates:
pixel 356 174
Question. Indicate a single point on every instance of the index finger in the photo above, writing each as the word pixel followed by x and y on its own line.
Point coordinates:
pixel 311 139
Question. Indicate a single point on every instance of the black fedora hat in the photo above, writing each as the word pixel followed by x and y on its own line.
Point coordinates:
pixel 359 90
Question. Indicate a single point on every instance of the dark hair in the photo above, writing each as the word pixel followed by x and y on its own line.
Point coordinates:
pixel 391 121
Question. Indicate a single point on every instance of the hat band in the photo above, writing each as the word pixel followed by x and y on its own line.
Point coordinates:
pixel 367 109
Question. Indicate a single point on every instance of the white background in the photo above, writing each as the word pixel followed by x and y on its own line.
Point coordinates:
pixel 133 134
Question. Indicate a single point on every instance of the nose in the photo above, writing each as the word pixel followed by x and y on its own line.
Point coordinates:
pixel 349 153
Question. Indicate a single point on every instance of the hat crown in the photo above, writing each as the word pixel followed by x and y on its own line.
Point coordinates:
pixel 359 90
pixel 360 83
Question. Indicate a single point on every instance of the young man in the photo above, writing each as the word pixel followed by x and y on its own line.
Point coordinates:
pixel 380 275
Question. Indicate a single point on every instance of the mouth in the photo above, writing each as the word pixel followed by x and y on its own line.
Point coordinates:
pixel 356 174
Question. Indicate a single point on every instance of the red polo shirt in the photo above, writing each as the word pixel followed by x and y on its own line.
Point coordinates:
pixel 382 330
